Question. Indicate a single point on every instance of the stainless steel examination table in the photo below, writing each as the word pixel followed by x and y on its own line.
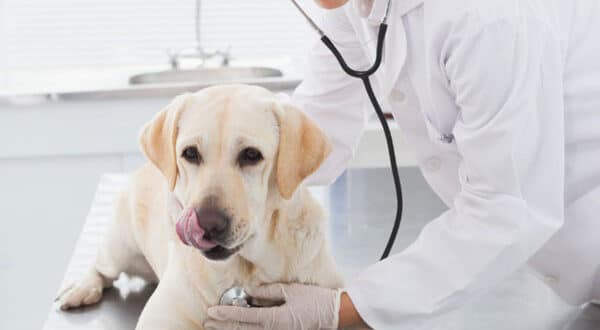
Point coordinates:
pixel 361 214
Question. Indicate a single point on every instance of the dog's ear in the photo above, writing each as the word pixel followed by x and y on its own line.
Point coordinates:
pixel 302 148
pixel 158 138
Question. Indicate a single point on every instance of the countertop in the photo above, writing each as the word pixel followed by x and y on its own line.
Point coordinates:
pixel 361 208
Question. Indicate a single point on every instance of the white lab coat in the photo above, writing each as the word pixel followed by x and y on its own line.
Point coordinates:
pixel 517 84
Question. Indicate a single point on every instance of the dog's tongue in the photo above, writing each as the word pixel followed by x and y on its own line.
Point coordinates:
pixel 190 232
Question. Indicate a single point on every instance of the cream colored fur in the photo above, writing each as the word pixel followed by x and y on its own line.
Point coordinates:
pixel 278 224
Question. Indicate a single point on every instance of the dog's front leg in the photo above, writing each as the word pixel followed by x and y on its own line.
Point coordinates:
pixel 166 311
pixel 175 304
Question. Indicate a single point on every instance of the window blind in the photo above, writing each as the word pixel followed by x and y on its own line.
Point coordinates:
pixel 41 34
pixel 3 46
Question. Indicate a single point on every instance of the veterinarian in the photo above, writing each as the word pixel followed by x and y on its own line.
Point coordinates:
pixel 500 102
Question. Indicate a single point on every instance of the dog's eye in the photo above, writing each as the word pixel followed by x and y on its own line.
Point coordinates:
pixel 249 156
pixel 192 155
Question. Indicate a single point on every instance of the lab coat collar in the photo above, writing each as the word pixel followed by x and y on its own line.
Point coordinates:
pixel 379 6
pixel 395 46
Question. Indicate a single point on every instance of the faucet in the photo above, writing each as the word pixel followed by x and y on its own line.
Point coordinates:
pixel 198 52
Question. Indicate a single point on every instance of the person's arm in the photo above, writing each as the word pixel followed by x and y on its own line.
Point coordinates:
pixel 348 315
pixel 332 99
pixel 507 83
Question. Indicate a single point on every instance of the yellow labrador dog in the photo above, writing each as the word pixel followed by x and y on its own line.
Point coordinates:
pixel 220 205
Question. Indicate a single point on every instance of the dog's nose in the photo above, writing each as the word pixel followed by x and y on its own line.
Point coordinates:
pixel 214 222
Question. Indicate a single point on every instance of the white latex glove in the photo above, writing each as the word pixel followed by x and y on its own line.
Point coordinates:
pixel 305 307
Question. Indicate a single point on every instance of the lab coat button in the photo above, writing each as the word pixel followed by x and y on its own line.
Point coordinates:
pixel 433 164
pixel 399 96
pixel 447 138
pixel 550 279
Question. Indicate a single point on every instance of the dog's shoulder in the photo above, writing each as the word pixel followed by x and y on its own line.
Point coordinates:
pixel 147 176
pixel 145 194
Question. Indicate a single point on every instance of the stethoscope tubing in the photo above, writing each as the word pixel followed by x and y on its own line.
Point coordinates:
pixel 358 73
pixel 364 76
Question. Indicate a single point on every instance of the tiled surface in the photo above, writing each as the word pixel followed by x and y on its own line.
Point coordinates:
pixel 361 208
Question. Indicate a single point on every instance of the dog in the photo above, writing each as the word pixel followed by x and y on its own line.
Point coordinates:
pixel 220 204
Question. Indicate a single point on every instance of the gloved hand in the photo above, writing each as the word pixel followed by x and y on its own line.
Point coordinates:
pixel 305 307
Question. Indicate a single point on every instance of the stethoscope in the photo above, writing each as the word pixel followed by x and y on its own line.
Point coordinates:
pixel 236 295
pixel 364 76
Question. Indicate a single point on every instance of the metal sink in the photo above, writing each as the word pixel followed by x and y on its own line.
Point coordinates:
pixel 206 75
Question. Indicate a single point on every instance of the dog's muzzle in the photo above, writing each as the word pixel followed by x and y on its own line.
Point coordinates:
pixel 191 233
pixel 206 229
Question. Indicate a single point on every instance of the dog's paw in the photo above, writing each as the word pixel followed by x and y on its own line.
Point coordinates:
pixel 87 291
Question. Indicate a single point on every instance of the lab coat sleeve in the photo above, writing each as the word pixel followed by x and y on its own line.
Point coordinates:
pixel 507 83
pixel 332 99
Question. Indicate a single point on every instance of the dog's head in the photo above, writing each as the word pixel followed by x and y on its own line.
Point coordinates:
pixel 224 151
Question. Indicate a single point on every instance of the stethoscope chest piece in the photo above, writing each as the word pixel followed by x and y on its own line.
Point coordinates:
pixel 235 296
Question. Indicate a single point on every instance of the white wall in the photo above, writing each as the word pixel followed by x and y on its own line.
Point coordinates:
pixel 74 128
